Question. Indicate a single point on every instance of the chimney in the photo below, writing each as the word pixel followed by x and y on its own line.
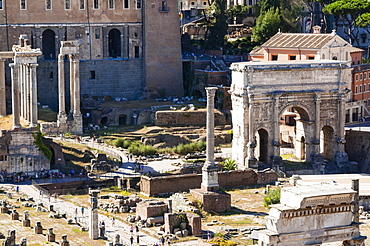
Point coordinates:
pixel 316 29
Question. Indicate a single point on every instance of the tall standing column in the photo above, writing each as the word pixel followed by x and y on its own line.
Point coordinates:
pixel 62 116
pixel 276 161
pixel 341 119
pixel 20 88
pixel 71 82
pixel 251 145
pixel 27 92
pixel 209 171
pixel 76 79
pixel 33 95
pixel 15 95
pixel 2 89
pixel 93 219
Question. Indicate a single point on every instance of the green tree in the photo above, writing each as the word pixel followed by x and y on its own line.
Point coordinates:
pixel 274 15
pixel 217 21
pixel 354 13
pixel 267 25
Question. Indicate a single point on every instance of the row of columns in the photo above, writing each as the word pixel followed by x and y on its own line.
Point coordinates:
pixel 24 93
pixel 74 82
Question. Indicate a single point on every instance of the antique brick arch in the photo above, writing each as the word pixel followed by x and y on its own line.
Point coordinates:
pixel 261 93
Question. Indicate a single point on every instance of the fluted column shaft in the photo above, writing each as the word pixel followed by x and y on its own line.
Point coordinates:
pixel 76 80
pixel 2 89
pixel 33 95
pixel 210 126
pixel 15 95
pixel 71 82
pixel 61 85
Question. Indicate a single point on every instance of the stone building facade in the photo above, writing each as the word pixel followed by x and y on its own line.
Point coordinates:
pixel 125 46
pixel 18 153
pixel 313 215
pixel 314 91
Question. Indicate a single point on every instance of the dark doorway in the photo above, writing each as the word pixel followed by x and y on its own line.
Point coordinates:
pixel 263 145
pixel 114 40
pixel 122 120
pixel 327 142
pixel 48 45
pixel 104 120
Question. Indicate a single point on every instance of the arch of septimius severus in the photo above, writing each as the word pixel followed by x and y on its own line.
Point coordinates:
pixel 264 94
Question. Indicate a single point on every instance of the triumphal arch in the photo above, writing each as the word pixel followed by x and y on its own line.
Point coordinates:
pixel 296 106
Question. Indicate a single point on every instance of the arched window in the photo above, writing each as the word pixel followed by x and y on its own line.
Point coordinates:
pixel 48 45
pixel 114 40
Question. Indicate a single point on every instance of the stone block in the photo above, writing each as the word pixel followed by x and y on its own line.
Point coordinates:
pixel 155 220
pixel 26 223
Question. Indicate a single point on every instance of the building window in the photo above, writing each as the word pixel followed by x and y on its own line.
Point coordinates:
pixel 97 33
pixel 126 4
pixel 92 74
pixel 23 4
pixel 111 4
pixel 137 52
pixel 360 88
pixel 364 76
pixel 364 87
pixel 96 4
pixel 292 57
pixel 356 77
pixel 274 57
pixel 368 102
pixel 51 75
pixel 310 57
pixel 205 3
pixel 164 6
pixel 360 76
pixel 1 4
pixel 82 4
pixel 138 4
pixel 356 89
pixel 192 3
pixel 67 4
pixel 48 4
pixel 368 86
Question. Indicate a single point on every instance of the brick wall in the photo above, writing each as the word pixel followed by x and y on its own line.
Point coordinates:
pixel 189 117
pixel 126 81
pixel 357 147
pixel 177 183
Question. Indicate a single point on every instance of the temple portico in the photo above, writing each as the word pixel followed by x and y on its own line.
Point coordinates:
pixel 24 83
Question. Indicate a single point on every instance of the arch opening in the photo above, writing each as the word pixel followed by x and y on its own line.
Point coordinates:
pixel 327 143
pixel 262 145
pixel 48 45
pixel 122 120
pixel 114 43
pixel 294 130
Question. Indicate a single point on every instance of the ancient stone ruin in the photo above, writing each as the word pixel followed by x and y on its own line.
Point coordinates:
pixel 313 215
pixel 271 99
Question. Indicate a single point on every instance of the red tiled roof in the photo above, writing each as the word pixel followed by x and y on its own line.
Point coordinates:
pixel 298 40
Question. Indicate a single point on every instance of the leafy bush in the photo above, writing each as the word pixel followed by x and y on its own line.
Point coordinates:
pixel 184 149
pixel 123 143
pixel 139 149
pixel 229 164
pixel 273 197
pixel 40 144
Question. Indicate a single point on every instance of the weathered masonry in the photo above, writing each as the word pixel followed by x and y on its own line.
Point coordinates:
pixel 266 96
pixel 126 47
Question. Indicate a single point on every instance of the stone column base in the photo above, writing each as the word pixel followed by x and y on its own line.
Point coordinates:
pixel 26 223
pixel 4 210
pixel 38 229
pixel 252 163
pixel 51 237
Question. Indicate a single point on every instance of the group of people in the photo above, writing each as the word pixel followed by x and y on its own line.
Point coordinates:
pixel 162 241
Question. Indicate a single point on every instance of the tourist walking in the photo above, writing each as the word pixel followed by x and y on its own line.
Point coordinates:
pixel 82 211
